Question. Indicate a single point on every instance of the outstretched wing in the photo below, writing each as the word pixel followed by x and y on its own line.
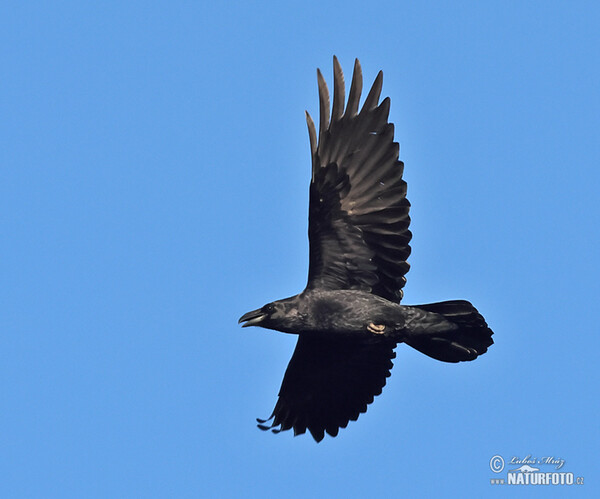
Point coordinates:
pixel 358 215
pixel 329 382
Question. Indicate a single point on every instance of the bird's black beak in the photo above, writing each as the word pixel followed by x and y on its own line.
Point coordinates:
pixel 253 318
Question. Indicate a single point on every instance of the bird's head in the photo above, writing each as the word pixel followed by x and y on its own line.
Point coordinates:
pixel 280 315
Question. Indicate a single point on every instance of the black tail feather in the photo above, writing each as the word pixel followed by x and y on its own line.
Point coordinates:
pixel 471 339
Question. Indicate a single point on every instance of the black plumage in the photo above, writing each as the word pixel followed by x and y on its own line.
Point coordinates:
pixel 348 318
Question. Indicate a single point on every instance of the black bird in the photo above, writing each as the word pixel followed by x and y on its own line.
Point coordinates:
pixel 348 319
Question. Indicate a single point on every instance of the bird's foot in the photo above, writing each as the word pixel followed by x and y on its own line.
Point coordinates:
pixel 376 328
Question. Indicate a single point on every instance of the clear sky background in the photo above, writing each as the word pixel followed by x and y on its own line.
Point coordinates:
pixel 154 169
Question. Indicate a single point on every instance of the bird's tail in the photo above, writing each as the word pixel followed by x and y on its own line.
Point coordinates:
pixel 470 339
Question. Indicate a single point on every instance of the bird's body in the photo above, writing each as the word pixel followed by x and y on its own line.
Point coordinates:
pixel 349 313
pixel 348 318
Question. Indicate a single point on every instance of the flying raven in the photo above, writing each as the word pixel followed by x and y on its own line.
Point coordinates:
pixel 348 319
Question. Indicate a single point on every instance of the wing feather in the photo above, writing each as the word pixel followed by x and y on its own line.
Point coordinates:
pixel 323 106
pixel 312 135
pixel 339 91
pixel 355 91
pixel 358 216
pixel 374 93
pixel 328 383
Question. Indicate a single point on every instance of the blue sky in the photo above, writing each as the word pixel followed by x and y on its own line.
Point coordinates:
pixel 154 187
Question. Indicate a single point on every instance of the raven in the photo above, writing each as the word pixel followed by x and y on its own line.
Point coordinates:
pixel 348 319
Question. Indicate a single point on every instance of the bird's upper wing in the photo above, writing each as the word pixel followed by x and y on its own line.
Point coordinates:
pixel 358 215
pixel 329 382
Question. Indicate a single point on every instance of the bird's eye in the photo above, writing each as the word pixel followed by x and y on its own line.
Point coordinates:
pixel 269 309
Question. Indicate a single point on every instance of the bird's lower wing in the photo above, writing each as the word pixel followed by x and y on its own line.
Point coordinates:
pixel 329 382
